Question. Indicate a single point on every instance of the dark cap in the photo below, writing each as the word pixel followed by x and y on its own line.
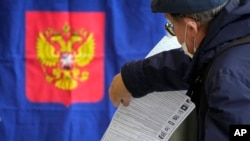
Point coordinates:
pixel 185 6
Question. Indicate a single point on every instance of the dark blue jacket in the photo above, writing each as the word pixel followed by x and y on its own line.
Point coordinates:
pixel 227 86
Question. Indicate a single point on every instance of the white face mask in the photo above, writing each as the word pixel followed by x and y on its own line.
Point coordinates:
pixel 184 45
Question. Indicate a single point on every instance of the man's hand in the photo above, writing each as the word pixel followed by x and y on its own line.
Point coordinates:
pixel 118 91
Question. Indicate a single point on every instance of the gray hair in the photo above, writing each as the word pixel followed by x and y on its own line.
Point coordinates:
pixel 201 17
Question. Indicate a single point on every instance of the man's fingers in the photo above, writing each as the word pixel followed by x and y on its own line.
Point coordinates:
pixel 118 92
pixel 125 102
pixel 115 100
pixel 116 103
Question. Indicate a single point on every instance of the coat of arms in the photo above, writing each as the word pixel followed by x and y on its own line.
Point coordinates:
pixel 63 56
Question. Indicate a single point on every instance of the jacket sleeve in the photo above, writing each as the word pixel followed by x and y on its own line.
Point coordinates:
pixel 161 72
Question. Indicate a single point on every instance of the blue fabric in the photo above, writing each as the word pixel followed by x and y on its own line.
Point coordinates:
pixel 131 30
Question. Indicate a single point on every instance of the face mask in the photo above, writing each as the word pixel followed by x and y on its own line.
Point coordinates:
pixel 184 45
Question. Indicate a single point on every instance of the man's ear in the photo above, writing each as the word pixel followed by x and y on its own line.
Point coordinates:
pixel 191 25
pixel 192 28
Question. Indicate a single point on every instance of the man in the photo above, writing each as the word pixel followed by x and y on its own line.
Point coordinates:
pixel 221 91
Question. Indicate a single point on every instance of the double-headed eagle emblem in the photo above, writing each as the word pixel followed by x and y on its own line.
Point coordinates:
pixel 64 56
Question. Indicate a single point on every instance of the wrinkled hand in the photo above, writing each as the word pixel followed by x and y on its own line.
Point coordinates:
pixel 118 91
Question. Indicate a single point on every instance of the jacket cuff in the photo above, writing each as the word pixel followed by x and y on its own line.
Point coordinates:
pixel 134 80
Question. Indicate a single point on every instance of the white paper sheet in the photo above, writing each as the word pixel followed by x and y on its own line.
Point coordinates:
pixel 166 43
pixel 151 118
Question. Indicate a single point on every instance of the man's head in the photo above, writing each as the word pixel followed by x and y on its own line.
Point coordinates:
pixel 189 18
pixel 185 6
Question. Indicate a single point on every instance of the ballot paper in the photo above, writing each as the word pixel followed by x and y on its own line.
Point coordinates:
pixel 153 117
pixel 166 43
